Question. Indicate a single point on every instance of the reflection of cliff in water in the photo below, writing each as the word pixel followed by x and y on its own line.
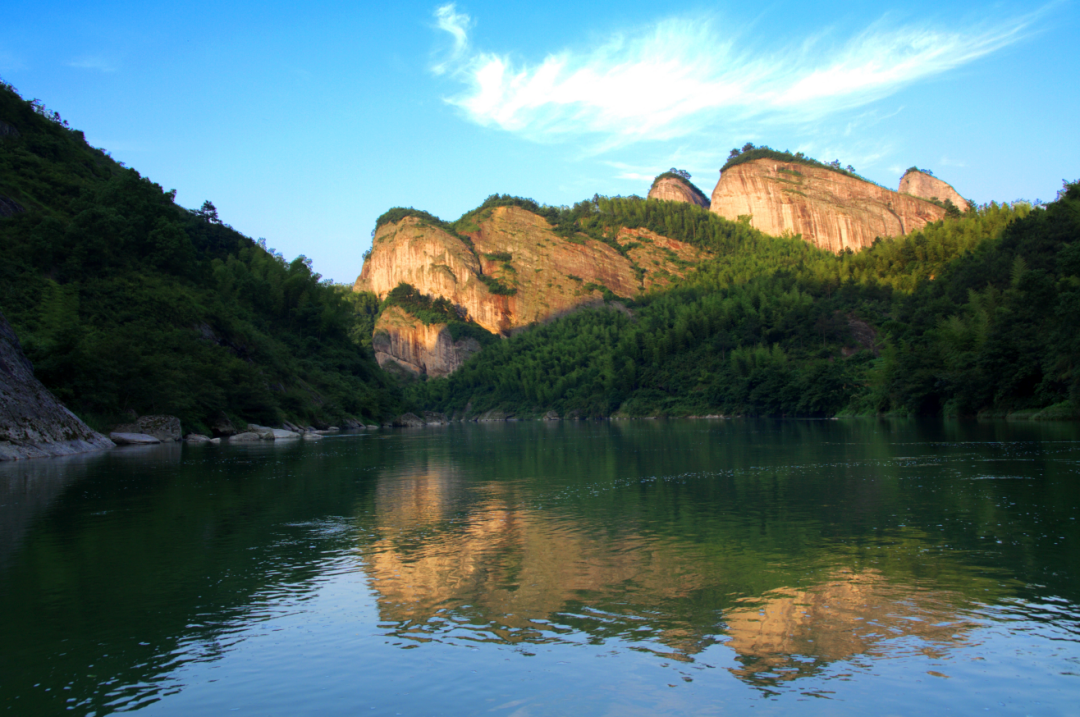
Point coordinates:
pixel 786 634
pixel 456 568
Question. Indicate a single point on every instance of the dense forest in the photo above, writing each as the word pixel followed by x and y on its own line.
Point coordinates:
pixel 126 302
pixel 971 315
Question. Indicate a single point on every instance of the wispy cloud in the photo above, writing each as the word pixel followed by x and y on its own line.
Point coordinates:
pixel 449 20
pixel 93 62
pixel 682 75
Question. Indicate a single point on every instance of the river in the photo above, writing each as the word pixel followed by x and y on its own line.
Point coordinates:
pixel 631 568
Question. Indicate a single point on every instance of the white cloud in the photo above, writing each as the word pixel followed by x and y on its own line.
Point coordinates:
pixel 93 62
pixel 683 75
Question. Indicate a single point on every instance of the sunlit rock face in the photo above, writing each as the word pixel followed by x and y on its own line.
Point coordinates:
pixel 829 209
pixel 403 341
pixel 920 184
pixel 549 275
pixel 674 190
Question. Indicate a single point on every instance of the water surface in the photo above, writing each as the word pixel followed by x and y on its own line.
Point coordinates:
pixel 683 567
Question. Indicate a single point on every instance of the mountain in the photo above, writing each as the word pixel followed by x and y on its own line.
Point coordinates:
pixel 504 267
pixel 127 303
pixel 919 183
pixel 974 314
pixel 832 210
pixel 673 187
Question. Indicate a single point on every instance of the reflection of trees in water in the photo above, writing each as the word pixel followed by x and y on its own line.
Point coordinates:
pixel 485 568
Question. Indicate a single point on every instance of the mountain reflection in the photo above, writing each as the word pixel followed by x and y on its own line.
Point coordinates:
pixel 786 634
pixel 453 566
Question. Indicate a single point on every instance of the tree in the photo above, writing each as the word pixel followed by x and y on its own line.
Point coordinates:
pixel 208 212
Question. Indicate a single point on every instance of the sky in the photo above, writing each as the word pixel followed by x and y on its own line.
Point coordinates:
pixel 303 123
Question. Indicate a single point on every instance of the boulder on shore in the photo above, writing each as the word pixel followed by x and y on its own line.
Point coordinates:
pixel 551 416
pixel 164 428
pixel 33 424
pixel 245 437
pixel 133 439
pixel 222 427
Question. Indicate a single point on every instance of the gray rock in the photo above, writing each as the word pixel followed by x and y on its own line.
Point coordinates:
pixel 433 418
pixel 408 420
pixel 312 436
pixel 372 427
pixel 281 434
pixel 198 439
pixel 164 428
pixel 222 426
pixel 133 439
pixel 493 415
pixel 265 433
pixel 245 437
pixel 33 424
pixel 551 416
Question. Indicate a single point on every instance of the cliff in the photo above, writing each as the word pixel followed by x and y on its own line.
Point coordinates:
pixel 404 342
pixel 921 184
pixel 831 210
pixel 33 424
pixel 540 275
pixel 672 189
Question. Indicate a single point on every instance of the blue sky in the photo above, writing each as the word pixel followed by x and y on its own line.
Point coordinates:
pixel 304 122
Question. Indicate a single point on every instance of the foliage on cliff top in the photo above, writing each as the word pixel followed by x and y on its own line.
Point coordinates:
pixel 438 310
pixel 680 176
pixel 127 302
pixel 749 153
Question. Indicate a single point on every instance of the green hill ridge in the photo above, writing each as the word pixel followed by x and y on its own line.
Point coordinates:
pixel 126 302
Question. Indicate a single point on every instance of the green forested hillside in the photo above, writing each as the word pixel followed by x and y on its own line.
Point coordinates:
pixel 127 302
pixel 972 314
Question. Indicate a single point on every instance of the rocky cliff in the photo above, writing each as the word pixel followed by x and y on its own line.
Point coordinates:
pixel 33 424
pixel 832 210
pixel 672 189
pixel 404 342
pixel 512 271
pixel 920 184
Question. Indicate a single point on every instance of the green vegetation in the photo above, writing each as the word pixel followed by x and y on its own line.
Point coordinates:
pixel 125 301
pixel 436 311
pixel 971 314
pixel 749 153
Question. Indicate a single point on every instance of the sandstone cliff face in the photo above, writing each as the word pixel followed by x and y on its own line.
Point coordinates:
pixel 551 275
pixel 402 341
pixel 920 184
pixel 33 424
pixel 673 190
pixel 830 210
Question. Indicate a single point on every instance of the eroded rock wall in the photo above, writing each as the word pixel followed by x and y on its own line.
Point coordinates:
pixel 33 424
pixel 829 209
pixel 920 184
pixel 405 342
pixel 674 190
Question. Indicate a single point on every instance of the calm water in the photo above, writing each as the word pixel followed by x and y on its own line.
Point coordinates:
pixel 686 567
